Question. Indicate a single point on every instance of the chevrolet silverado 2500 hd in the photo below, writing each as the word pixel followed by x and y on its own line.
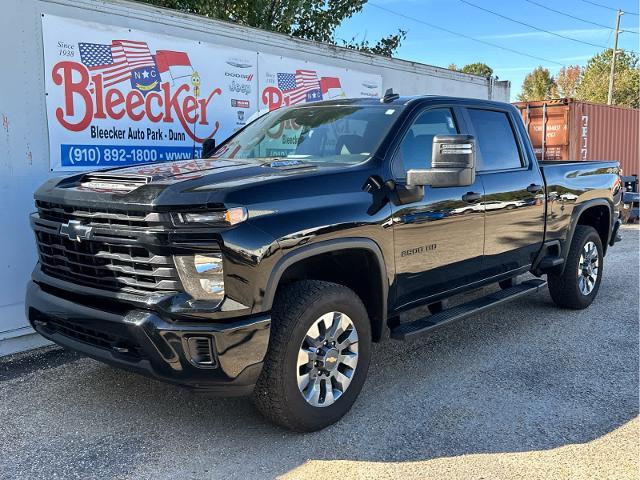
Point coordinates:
pixel 271 267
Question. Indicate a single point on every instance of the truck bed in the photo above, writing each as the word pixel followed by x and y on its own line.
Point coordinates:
pixel 573 183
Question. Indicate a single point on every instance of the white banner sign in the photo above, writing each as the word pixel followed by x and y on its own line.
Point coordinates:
pixel 288 81
pixel 117 96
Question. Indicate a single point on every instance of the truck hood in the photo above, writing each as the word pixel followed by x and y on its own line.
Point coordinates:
pixel 204 182
pixel 174 171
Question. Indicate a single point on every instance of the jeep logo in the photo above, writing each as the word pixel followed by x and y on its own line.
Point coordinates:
pixel 76 231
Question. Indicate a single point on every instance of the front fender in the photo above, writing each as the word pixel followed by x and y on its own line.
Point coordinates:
pixel 307 251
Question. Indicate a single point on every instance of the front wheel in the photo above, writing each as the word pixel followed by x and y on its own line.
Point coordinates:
pixel 318 356
pixel 579 283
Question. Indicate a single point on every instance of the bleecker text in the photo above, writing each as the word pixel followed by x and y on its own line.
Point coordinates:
pixel 85 95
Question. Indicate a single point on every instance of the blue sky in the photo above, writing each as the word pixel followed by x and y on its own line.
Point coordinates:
pixel 427 45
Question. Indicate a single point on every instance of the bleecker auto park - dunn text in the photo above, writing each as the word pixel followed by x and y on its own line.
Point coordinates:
pixel 135 133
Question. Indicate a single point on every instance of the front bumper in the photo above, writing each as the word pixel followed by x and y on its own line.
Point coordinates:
pixel 142 341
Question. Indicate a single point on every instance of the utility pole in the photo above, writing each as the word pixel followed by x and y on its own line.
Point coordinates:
pixel 613 58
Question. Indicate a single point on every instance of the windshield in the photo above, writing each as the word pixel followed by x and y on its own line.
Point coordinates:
pixel 329 133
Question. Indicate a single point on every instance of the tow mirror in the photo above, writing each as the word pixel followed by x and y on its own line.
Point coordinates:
pixel 208 147
pixel 453 163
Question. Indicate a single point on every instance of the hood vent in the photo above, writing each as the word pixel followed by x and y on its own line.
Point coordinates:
pixel 289 164
pixel 285 163
pixel 113 182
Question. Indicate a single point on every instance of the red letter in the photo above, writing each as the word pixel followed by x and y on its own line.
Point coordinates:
pixel 172 101
pixel 272 97
pixel 203 111
pixel 190 105
pixel 80 88
pixel 203 106
pixel 97 82
pixel 133 103
pixel 147 106
pixel 114 102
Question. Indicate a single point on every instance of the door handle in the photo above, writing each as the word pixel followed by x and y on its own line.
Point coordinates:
pixel 533 188
pixel 471 197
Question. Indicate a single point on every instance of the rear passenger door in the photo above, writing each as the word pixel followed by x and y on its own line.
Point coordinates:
pixel 514 191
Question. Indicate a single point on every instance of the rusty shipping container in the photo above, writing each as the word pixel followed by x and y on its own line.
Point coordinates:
pixel 567 129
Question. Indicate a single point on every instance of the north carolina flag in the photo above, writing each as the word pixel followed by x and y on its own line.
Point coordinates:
pixel 331 87
pixel 176 64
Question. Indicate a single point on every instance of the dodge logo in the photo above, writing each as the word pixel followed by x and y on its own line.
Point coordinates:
pixel 76 231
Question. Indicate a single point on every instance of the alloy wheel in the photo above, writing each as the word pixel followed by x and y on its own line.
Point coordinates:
pixel 588 268
pixel 327 359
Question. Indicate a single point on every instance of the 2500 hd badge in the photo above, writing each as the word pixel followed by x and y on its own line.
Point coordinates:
pixel 421 249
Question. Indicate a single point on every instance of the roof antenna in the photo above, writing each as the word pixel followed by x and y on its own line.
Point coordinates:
pixel 389 96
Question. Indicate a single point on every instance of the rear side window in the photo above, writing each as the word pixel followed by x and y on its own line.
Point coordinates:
pixel 495 139
pixel 415 148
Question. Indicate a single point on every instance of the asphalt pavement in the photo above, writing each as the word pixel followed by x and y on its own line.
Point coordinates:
pixel 523 391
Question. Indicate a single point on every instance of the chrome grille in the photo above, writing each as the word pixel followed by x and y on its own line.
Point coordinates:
pixel 113 259
pixel 101 217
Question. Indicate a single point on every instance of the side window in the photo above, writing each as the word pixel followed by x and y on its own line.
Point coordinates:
pixel 415 148
pixel 495 139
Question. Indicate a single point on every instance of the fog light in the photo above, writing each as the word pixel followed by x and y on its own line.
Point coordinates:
pixel 212 286
pixel 202 275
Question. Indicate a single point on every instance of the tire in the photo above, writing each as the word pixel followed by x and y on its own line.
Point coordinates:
pixel 567 289
pixel 297 309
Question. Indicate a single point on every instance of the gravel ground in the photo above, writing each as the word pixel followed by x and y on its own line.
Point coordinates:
pixel 523 391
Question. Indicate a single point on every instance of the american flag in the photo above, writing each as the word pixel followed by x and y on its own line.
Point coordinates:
pixel 299 86
pixel 116 61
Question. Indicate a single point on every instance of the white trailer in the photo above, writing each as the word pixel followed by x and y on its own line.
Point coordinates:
pixel 26 133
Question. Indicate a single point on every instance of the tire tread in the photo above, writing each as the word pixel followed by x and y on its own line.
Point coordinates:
pixel 288 307
pixel 563 287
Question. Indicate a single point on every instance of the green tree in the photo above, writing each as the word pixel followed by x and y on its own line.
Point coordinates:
pixel 594 85
pixel 478 68
pixel 567 81
pixel 309 19
pixel 385 46
pixel 537 85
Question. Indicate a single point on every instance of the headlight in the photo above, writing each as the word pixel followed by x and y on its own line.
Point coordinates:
pixel 202 275
pixel 228 217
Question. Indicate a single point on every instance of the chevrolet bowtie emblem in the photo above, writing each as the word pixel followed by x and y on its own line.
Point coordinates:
pixel 332 360
pixel 76 231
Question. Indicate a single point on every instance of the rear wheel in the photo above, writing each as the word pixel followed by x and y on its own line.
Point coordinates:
pixel 579 283
pixel 318 356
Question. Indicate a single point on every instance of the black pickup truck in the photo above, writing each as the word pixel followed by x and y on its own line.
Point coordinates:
pixel 271 266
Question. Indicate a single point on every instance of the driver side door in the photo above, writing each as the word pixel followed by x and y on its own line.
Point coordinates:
pixel 439 240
